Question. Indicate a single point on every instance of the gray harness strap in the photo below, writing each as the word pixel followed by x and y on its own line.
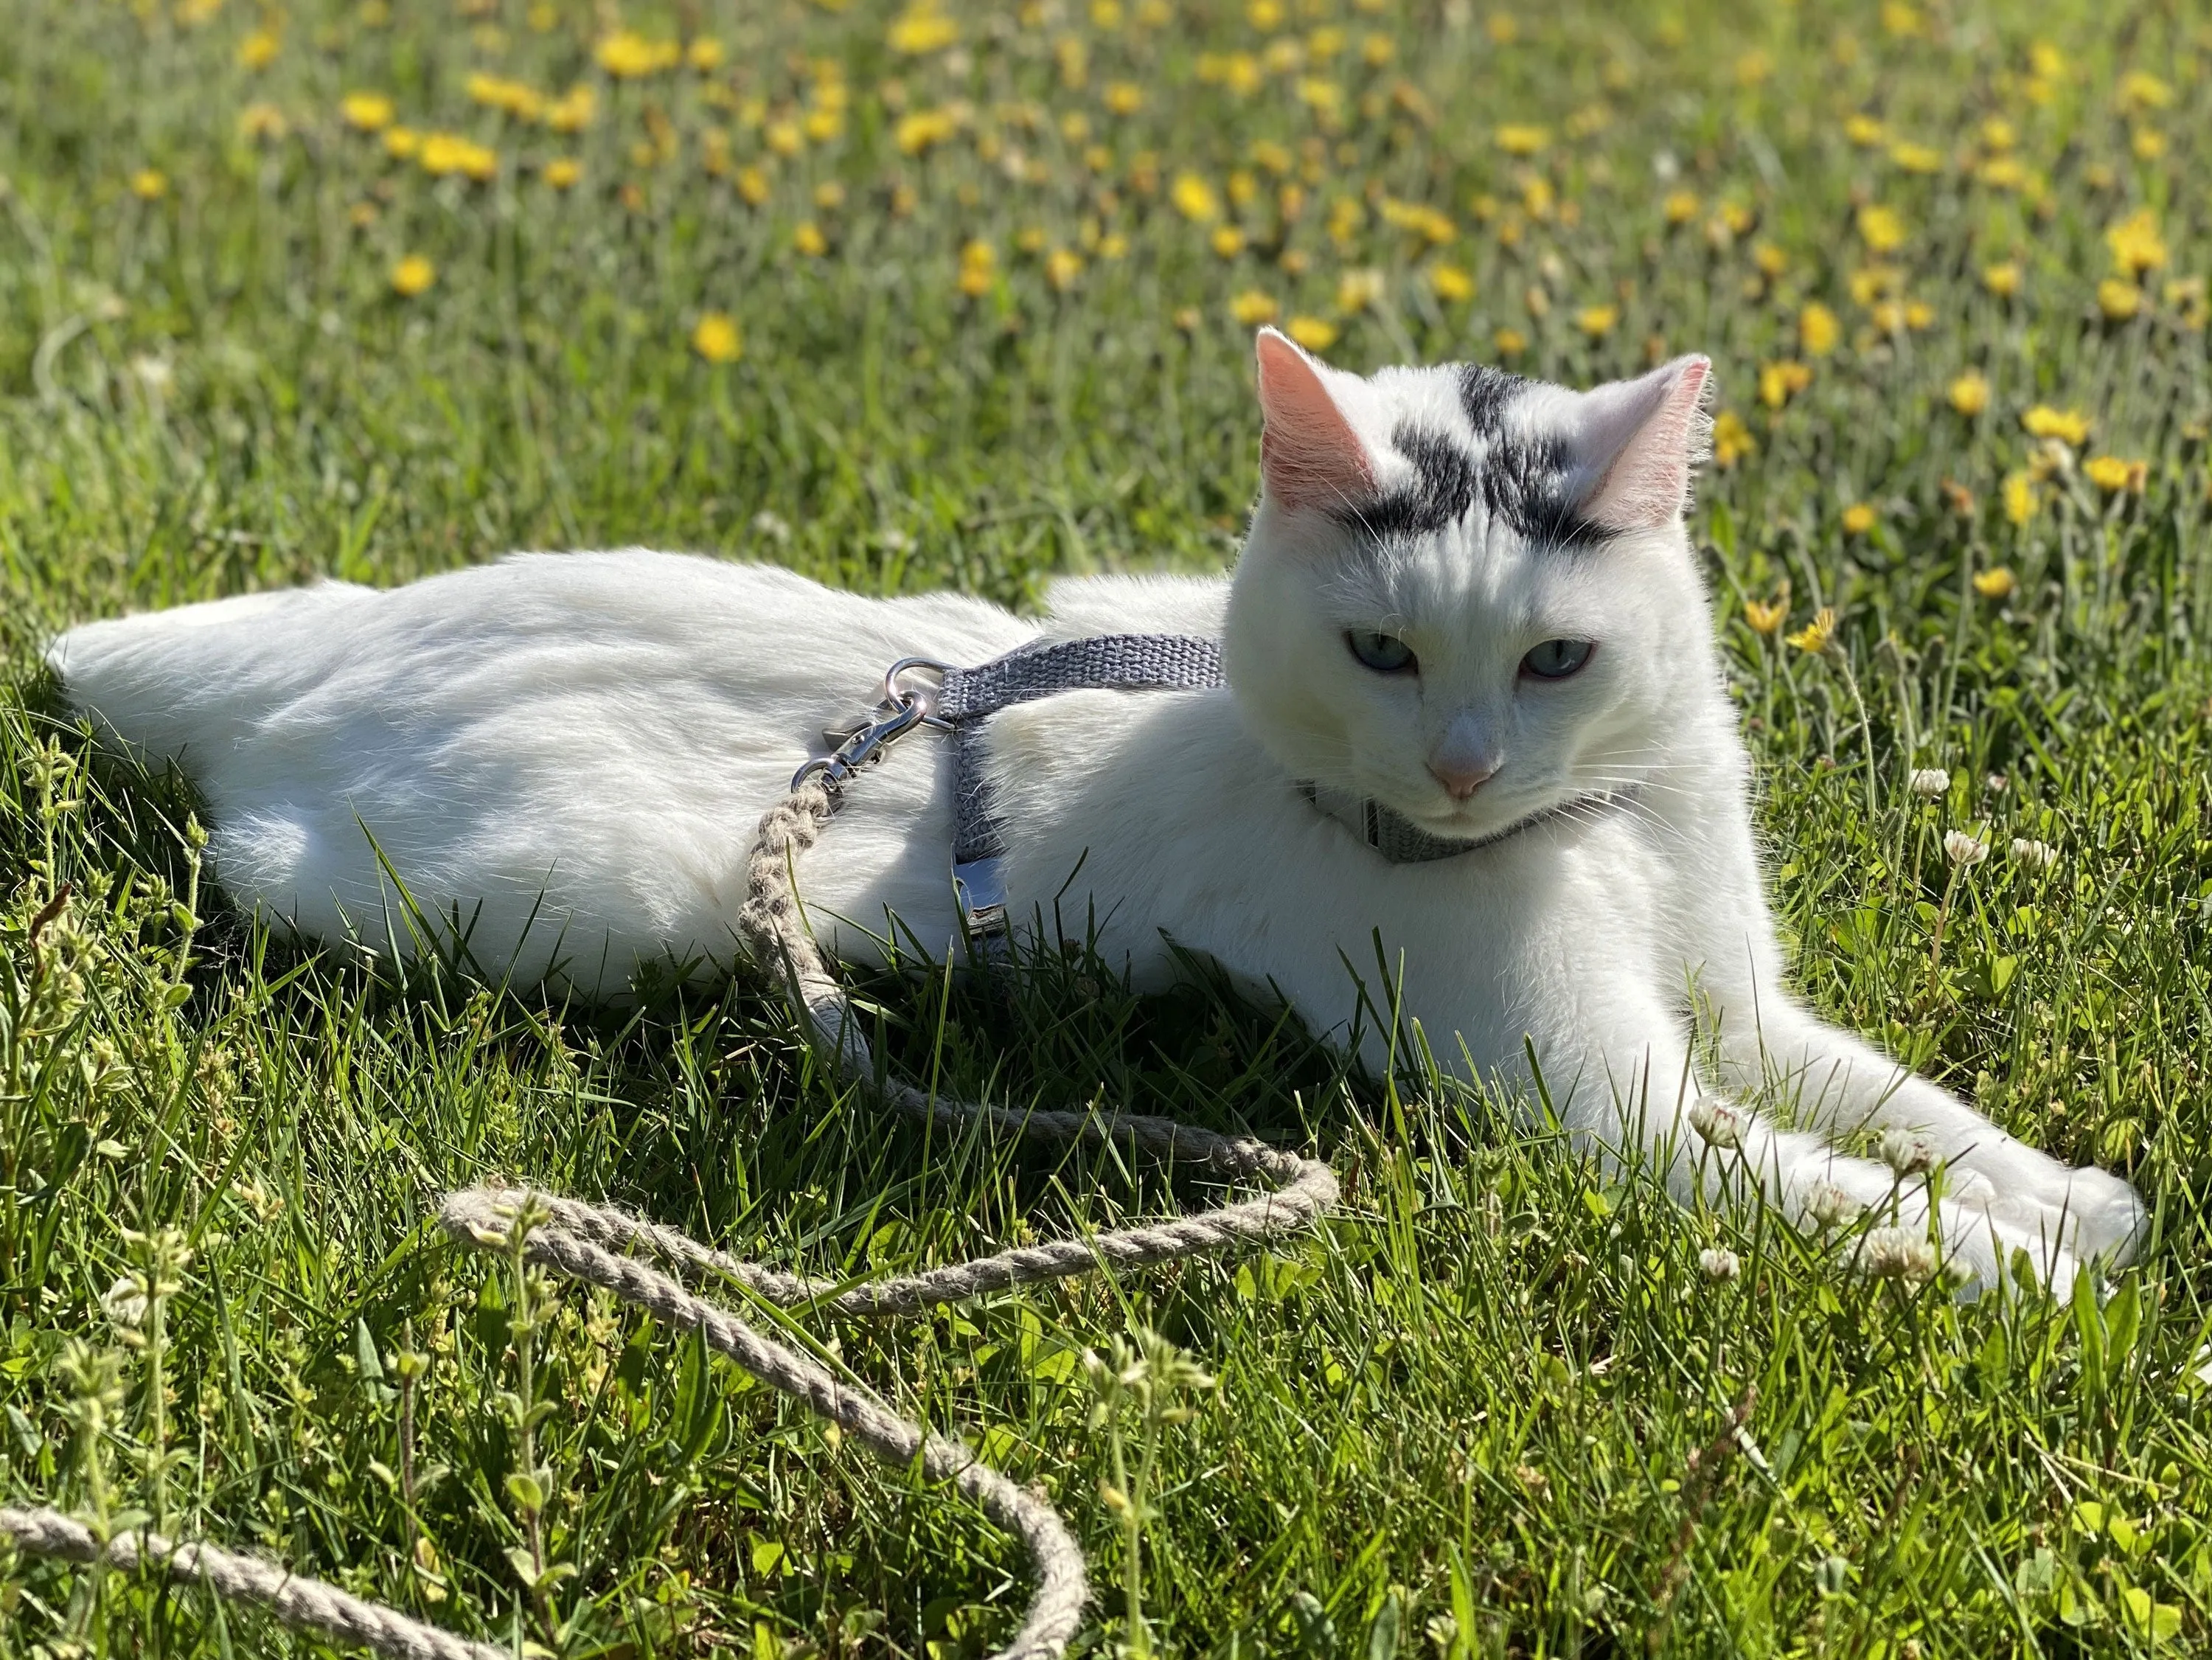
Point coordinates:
pixel 1135 662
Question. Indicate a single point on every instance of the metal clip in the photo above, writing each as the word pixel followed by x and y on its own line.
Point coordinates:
pixel 861 746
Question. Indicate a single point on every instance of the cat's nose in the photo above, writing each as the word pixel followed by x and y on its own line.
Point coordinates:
pixel 1460 779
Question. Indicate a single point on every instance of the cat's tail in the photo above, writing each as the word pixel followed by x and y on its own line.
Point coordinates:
pixel 165 682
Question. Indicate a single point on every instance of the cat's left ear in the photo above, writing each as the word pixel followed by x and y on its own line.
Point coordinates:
pixel 1635 443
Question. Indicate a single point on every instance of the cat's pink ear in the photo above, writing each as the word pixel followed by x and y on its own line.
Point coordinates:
pixel 1309 456
pixel 1638 441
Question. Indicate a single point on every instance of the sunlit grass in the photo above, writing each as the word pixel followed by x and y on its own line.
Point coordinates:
pixel 962 296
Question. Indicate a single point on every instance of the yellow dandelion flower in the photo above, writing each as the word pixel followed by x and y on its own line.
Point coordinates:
pixel 2019 497
pixel 2002 279
pixel 705 54
pixel 258 50
pixel 1999 134
pixel 562 172
pixel 809 240
pixel 1880 228
pixel 2111 475
pixel 1597 321
pixel 1916 158
pixel 1858 518
pixel 1188 319
pixel 1767 616
pixel 572 111
pixel 1919 315
pixel 1771 260
pixel 829 196
pixel 1356 290
pixel 1780 382
pixel 402 142
pixel 1521 138
pixel 2118 299
pixel 1227 240
pixel 921 29
pixel 1264 15
pixel 1314 333
pixel 1062 266
pixel 1124 97
pixel 2140 90
pixel 1509 342
pixel 150 184
pixel 1864 131
pixel 784 137
pixel 2067 426
pixel 2004 173
pixel 628 56
pixel 1753 68
pixel 264 122
pixel 1377 49
pixel 412 275
pixel 1732 440
pixel 1681 207
pixel 1114 245
pixel 1815 634
pixel 717 338
pixel 1450 284
pixel 1195 199
pixel 366 112
pixel 2136 244
pixel 752 186
pixel 2147 144
pixel 1818 330
pixel 1970 393
pixel 1253 308
pixel 1994 583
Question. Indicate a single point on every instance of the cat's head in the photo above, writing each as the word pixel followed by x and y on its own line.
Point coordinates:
pixel 1466 594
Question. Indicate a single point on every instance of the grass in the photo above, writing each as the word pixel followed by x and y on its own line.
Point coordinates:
pixel 1493 1407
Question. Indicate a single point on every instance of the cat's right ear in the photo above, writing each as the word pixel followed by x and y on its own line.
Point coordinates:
pixel 1309 455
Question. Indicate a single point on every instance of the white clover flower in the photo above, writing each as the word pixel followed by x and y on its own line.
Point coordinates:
pixel 1906 1152
pixel 125 1302
pixel 1717 1125
pixel 2036 856
pixel 1720 1264
pixel 1898 1254
pixel 1827 1205
pixel 1996 783
pixel 1928 783
pixel 1963 849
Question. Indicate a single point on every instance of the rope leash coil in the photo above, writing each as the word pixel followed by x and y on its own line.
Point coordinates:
pixel 592 1242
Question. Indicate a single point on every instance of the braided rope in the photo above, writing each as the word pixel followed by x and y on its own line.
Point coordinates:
pixel 591 1243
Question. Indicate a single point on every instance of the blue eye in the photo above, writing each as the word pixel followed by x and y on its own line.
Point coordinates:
pixel 1385 653
pixel 1555 659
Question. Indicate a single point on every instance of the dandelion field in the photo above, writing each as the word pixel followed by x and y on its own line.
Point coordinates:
pixel 962 296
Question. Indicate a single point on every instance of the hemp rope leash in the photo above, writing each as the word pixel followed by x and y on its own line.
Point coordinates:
pixel 586 1242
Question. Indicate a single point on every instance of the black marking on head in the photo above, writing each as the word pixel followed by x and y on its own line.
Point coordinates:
pixel 1521 481
pixel 1484 392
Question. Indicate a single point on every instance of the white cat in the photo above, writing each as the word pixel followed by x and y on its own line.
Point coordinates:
pixel 1466 597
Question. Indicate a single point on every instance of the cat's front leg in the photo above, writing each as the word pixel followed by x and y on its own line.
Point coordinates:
pixel 1841 1085
pixel 1627 1092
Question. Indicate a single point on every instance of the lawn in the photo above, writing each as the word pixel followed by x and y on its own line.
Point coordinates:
pixel 962 296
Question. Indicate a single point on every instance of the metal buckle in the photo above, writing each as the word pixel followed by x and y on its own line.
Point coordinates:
pixel 981 884
pixel 859 747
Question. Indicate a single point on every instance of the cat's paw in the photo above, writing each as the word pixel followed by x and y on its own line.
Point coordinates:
pixel 2103 1216
pixel 2086 1211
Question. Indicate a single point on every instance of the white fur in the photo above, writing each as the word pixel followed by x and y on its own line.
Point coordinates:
pixel 569 753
